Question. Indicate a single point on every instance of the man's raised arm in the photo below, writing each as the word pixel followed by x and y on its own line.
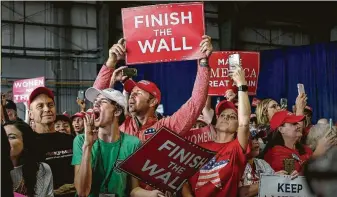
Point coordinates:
pixel 183 120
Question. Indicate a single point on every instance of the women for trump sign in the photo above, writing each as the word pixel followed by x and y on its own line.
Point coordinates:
pixel 162 33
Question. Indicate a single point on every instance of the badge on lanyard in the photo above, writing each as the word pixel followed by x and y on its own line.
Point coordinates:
pixel 107 195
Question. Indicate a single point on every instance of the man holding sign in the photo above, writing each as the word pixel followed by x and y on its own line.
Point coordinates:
pixel 145 96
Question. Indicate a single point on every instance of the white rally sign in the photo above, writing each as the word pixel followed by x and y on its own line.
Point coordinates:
pixel 278 185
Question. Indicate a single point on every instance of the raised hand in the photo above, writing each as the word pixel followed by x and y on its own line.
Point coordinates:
pixel 238 76
pixel 116 53
pixel 206 46
pixel 118 75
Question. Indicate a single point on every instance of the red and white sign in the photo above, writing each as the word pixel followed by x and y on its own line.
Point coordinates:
pixel 18 195
pixel 201 135
pixel 255 102
pixel 23 88
pixel 220 81
pixel 162 33
pixel 166 161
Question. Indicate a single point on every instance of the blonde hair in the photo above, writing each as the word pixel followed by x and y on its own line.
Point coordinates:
pixel 261 108
pixel 317 132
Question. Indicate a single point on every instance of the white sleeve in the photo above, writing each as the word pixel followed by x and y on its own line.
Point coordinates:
pixel 48 180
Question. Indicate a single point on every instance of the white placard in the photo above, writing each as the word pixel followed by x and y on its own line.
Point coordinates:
pixel 278 185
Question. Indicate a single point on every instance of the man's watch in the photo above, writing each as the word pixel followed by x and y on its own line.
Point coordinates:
pixel 243 88
pixel 203 62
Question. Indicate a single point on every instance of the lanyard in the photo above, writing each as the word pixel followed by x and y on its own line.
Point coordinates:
pixel 107 180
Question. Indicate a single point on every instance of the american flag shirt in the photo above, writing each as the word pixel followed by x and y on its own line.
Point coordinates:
pixel 221 175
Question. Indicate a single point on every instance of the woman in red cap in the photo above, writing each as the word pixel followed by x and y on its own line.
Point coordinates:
pixel 249 184
pixel 284 150
pixel 221 175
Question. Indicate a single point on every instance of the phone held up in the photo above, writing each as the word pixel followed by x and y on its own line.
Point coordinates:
pixel 130 72
pixel 234 61
pixel 300 88
pixel 80 95
pixel 284 103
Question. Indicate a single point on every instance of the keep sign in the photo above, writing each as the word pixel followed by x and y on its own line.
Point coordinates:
pixel 162 33
pixel 220 81
pixel 23 88
pixel 278 185
pixel 166 161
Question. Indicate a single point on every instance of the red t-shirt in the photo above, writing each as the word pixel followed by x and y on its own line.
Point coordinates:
pixel 277 154
pixel 221 176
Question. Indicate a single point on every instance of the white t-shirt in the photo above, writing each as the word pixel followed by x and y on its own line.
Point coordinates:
pixel 44 181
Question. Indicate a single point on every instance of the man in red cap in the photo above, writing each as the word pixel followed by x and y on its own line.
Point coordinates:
pixel 55 147
pixel 145 96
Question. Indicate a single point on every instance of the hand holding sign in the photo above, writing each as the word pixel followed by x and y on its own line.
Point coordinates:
pixel 206 46
pixel 116 53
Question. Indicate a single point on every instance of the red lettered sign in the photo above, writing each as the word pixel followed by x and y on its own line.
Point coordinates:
pixel 220 81
pixel 255 102
pixel 166 161
pixel 23 88
pixel 162 33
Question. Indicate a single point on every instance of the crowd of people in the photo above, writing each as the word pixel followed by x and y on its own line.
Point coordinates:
pixel 50 154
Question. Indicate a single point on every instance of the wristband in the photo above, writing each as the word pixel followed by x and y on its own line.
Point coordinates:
pixel 243 88
pixel 203 62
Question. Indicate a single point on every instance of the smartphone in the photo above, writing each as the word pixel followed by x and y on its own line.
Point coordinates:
pixel 300 88
pixel 234 61
pixel 330 123
pixel 130 72
pixel 289 165
pixel 284 103
pixel 80 94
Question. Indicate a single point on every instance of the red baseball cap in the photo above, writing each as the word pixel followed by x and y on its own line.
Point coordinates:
pixel 225 105
pixel 40 90
pixel 145 85
pixel 78 114
pixel 281 117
